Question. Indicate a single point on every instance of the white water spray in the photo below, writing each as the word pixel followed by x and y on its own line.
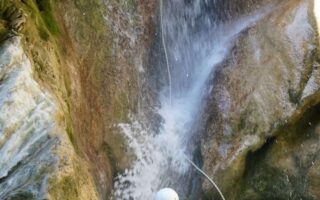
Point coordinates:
pixel 161 157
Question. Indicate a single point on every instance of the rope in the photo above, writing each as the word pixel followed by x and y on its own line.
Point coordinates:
pixel 170 95
pixel 203 173
pixel 165 50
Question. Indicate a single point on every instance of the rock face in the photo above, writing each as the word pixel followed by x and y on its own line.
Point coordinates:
pixel 34 148
pixel 66 78
pixel 109 40
pixel 70 70
pixel 262 134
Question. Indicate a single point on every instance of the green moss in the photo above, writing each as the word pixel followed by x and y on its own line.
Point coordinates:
pixel 3 30
pixel 277 170
pixel 67 188
pixel 49 46
pixel 43 34
pixel 41 19
pixel 46 11
pixel 268 183
pixel 294 96
pixel 4 4
pixel 242 122
pixel 72 136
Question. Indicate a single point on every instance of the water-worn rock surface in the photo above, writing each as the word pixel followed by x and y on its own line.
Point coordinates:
pixel 37 159
pixel 261 139
pixel 71 70
pixel 69 80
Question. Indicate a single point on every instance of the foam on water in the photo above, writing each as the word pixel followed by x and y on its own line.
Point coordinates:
pixel 161 157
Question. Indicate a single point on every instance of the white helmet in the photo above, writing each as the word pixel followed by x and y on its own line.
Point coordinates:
pixel 166 194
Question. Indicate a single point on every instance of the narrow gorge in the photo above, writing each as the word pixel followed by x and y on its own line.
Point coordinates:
pixel 118 99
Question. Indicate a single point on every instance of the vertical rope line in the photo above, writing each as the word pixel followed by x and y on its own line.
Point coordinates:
pixel 203 173
pixel 170 95
pixel 165 50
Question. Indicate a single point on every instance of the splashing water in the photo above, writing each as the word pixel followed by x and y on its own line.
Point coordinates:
pixel 194 53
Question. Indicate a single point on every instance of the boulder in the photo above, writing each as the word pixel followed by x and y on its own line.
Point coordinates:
pixel 261 134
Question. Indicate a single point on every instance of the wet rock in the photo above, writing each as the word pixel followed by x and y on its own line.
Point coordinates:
pixel 33 142
pixel 272 81
pixel 92 90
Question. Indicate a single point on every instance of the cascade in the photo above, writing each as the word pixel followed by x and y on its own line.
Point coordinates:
pixel 194 44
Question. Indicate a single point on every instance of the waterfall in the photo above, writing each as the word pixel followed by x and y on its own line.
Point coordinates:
pixel 196 42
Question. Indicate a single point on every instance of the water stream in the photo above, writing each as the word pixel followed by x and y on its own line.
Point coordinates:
pixel 196 43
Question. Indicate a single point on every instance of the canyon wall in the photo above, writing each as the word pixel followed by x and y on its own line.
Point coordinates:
pixel 70 71
pixel 261 138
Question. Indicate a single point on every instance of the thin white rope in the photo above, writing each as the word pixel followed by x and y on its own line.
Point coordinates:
pixel 165 50
pixel 203 173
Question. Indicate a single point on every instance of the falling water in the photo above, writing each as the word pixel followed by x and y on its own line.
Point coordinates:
pixel 196 43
